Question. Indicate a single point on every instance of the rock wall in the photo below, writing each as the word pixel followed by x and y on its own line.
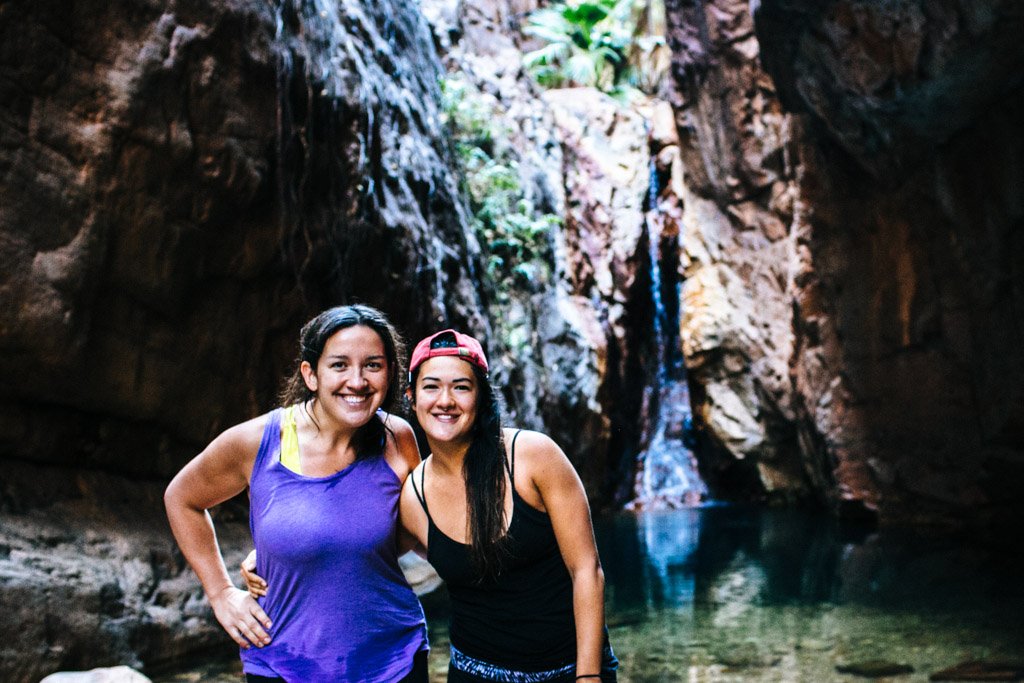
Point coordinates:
pixel 183 185
pixel 854 204
pixel 187 183
pixel 739 184
pixel 574 342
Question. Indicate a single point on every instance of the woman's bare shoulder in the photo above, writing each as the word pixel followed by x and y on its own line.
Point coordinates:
pixel 535 452
pixel 530 441
pixel 246 434
pixel 402 451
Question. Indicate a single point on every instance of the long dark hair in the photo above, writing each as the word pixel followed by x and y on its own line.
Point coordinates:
pixel 370 438
pixel 484 473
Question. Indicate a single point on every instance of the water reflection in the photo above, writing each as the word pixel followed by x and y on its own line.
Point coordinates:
pixel 675 559
pixel 729 593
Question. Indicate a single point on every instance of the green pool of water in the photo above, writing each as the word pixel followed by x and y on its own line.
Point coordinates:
pixel 737 594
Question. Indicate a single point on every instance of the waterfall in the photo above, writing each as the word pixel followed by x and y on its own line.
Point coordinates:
pixel 666 474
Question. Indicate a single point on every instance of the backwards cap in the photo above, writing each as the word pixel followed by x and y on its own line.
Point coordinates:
pixel 448 343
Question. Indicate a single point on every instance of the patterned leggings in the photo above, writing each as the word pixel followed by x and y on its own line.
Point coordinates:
pixel 466 669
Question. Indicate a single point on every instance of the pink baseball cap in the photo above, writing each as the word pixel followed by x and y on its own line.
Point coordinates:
pixel 448 343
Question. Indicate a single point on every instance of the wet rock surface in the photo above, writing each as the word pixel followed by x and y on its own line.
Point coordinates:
pixel 95 577
pixel 850 302
pixel 174 218
pixel 184 185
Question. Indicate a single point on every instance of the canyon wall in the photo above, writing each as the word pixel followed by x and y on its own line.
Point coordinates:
pixel 183 185
pixel 854 223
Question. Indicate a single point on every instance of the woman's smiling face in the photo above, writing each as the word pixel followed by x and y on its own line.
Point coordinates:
pixel 351 378
pixel 445 399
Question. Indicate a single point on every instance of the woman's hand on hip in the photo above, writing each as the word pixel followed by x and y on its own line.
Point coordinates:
pixel 242 617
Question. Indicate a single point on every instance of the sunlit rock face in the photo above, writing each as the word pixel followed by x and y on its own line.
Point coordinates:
pixel 738 184
pixel 601 245
pixel 183 185
pixel 562 343
pixel 887 193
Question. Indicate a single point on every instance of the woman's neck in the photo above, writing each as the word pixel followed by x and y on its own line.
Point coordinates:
pixel 332 437
pixel 448 457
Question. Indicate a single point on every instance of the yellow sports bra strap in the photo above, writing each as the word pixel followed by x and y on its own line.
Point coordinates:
pixel 290 441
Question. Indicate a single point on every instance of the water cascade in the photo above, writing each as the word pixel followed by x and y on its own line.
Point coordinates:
pixel 666 474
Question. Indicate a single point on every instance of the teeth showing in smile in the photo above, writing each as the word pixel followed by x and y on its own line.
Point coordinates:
pixel 445 418
pixel 355 400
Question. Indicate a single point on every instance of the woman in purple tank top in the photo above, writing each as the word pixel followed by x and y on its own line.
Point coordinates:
pixel 503 517
pixel 324 522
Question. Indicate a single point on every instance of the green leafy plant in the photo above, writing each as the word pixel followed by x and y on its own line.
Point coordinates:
pixel 606 44
pixel 512 232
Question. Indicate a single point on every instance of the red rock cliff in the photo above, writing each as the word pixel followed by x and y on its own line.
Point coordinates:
pixel 855 171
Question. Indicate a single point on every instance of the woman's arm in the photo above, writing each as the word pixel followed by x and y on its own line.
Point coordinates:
pixel 221 471
pixel 413 519
pixel 255 583
pixel 562 493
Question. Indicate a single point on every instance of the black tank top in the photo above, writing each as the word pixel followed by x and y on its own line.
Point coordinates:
pixel 523 618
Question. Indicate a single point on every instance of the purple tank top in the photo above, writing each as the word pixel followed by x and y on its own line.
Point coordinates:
pixel 327 546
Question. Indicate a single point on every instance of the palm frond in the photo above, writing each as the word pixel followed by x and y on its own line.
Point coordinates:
pixel 582 69
pixel 550 54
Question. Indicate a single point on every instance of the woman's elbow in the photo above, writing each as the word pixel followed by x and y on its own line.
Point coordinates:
pixel 589 570
pixel 176 497
pixel 171 496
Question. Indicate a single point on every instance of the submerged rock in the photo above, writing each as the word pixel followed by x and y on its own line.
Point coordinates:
pixel 875 668
pixel 744 656
pixel 814 645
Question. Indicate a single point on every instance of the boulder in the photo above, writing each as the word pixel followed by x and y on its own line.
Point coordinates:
pixel 115 674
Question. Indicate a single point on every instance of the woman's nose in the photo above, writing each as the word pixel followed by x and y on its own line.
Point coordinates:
pixel 356 378
pixel 445 399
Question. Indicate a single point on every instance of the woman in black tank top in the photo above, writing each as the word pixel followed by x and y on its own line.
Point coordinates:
pixel 508 529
